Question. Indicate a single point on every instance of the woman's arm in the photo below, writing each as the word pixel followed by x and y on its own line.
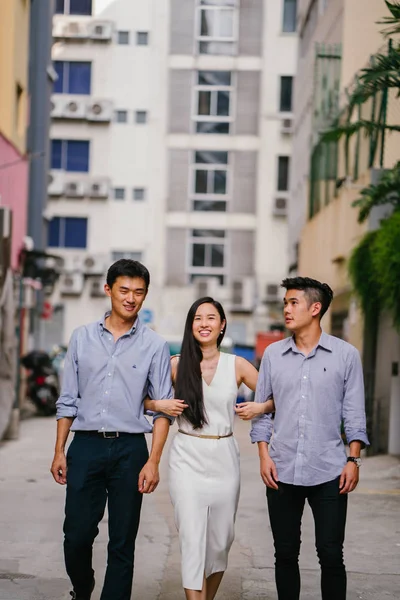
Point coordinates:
pixel 174 407
pixel 246 373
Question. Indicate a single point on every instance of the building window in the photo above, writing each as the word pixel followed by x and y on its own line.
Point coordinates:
pixel 216 27
pixel 119 193
pixel 141 116
pixel 289 16
pixel 285 102
pixel 70 155
pixel 119 254
pixel 73 77
pixel 283 174
pixel 142 38
pixel 67 232
pixel 210 181
pixel 139 194
pixel 207 252
pixel 121 116
pixel 213 102
pixel 74 7
pixel 123 38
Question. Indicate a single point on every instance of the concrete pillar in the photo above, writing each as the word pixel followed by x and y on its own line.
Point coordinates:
pixel 394 415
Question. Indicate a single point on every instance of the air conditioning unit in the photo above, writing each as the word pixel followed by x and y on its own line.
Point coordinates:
pixel 95 264
pixel 72 264
pixel 243 294
pixel 99 110
pixel 100 30
pixel 97 287
pixel 70 29
pixel 280 208
pixel 57 106
pixel 287 126
pixel 272 293
pixel 206 286
pixel 99 188
pixel 74 108
pixel 71 284
pixel 74 189
pixel 56 183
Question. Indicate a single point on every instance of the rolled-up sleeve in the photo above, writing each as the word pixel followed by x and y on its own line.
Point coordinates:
pixel 354 418
pixel 261 427
pixel 160 381
pixel 67 404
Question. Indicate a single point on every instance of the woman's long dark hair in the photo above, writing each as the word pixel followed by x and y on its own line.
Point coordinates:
pixel 188 385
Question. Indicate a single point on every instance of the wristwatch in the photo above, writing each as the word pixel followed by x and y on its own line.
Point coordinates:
pixel 355 460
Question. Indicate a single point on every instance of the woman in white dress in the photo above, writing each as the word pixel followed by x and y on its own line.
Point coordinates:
pixel 204 470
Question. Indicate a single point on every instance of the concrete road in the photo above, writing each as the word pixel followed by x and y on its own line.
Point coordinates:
pixel 31 513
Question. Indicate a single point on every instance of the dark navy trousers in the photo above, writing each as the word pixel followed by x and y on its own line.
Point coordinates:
pixel 99 470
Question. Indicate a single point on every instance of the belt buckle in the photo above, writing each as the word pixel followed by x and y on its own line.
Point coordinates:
pixel 110 434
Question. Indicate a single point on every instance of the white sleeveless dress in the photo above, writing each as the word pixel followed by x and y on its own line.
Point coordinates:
pixel 204 481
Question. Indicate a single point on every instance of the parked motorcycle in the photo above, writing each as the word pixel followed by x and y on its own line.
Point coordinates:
pixel 42 381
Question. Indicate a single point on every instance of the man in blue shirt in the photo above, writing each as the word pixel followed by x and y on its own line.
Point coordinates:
pixel 111 366
pixel 316 381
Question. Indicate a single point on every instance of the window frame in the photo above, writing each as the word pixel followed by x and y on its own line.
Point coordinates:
pixel 142 33
pixel 123 31
pixel 280 110
pixel 292 31
pixel 277 187
pixel 66 70
pixel 141 112
pixel 210 168
pixel 119 113
pixel 67 10
pixel 197 87
pixel 62 232
pixel 216 39
pixel 64 155
pixel 116 190
pixel 137 189
pixel 207 270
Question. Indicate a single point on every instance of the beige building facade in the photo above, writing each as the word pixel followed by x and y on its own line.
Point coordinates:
pixel 337 38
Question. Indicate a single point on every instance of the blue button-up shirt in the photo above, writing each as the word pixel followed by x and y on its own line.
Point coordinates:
pixel 312 395
pixel 105 381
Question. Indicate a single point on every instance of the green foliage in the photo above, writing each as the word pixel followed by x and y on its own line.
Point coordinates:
pixel 392 22
pixel 386 265
pixel 362 274
pixel 387 191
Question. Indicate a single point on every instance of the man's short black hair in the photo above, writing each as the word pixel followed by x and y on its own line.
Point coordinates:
pixel 314 290
pixel 126 267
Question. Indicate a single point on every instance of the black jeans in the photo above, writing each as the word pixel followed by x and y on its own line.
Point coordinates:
pixel 99 469
pixel 329 509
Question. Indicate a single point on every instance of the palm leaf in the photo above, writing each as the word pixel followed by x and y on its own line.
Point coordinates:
pixel 392 23
pixel 368 127
pixel 387 191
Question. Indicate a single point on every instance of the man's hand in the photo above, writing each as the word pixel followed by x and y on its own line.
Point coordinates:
pixel 149 477
pixel 268 471
pixel 349 478
pixel 59 468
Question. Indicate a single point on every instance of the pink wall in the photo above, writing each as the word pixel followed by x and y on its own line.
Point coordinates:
pixel 14 192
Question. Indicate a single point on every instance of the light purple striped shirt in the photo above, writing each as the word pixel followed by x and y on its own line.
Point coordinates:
pixel 105 381
pixel 313 394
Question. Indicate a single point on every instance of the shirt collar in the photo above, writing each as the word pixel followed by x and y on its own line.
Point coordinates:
pixel 135 327
pixel 324 342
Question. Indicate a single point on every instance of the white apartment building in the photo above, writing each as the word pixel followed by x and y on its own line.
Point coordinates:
pixel 171 144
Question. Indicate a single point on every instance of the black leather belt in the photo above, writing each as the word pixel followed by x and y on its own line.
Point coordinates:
pixel 106 434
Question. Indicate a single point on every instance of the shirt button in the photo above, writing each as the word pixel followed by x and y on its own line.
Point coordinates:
pixel 305 377
pixel 302 416
pixel 104 410
pixel 301 435
pixel 110 339
pixel 303 396
pixel 102 427
pixel 106 392
pixel 110 376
